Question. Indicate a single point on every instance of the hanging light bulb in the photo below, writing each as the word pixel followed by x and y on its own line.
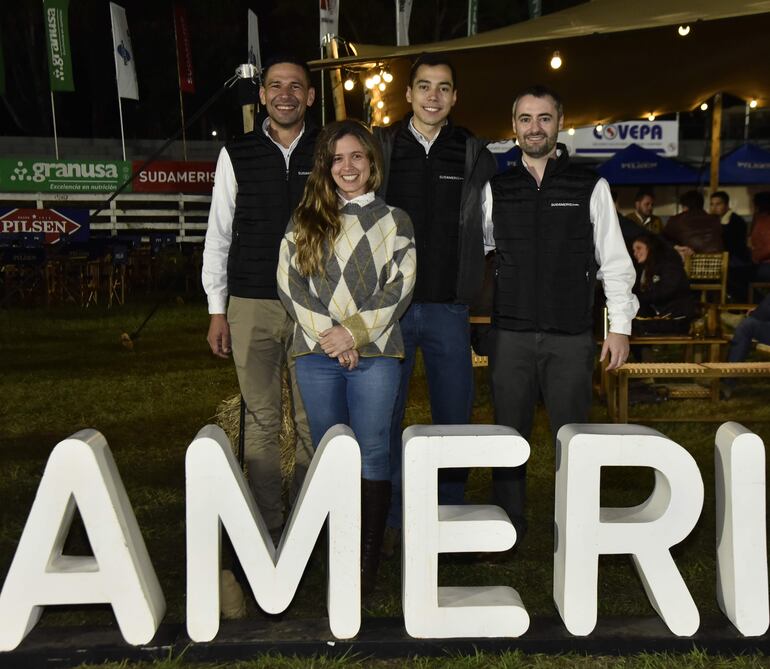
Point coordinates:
pixel 556 61
pixel 349 84
pixel 380 104
pixel 382 86
pixel 683 31
pixel 369 83
pixel 599 127
pixel 376 79
pixel 387 77
pixel 753 104
pixel 704 106
pixel 571 131
pixel 386 120
pixel 650 117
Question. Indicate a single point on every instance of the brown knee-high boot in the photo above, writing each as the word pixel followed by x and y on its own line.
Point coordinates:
pixel 375 502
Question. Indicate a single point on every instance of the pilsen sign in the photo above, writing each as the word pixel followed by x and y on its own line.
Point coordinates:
pixel 54 224
pixel 82 473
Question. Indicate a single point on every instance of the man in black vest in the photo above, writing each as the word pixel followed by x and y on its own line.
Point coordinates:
pixel 259 180
pixel 556 232
pixel 435 171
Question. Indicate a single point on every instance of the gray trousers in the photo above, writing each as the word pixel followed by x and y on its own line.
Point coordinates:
pixel 523 365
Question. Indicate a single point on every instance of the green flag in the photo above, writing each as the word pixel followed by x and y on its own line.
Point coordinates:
pixel 58 41
pixel 2 71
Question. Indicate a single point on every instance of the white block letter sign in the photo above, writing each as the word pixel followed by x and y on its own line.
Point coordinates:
pixel 741 535
pixel 430 529
pixel 584 530
pixel 81 473
pixel 218 495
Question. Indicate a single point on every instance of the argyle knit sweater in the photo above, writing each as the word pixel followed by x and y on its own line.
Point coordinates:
pixel 367 284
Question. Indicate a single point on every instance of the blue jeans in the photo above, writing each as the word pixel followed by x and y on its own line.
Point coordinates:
pixel 750 328
pixel 362 398
pixel 442 332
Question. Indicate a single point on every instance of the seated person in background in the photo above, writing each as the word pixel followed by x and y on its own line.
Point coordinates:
pixel 642 214
pixel 760 237
pixel 734 234
pixel 694 231
pixel 666 303
pixel 756 325
pixel 629 228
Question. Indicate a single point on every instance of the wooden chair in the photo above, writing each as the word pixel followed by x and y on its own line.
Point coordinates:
pixel 708 274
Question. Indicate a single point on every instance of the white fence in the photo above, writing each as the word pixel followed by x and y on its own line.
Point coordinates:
pixel 178 213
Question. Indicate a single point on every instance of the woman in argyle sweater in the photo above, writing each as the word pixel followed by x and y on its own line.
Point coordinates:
pixel 346 272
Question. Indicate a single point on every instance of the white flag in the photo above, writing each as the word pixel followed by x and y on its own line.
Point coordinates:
pixel 125 72
pixel 403 14
pixel 253 32
pixel 330 17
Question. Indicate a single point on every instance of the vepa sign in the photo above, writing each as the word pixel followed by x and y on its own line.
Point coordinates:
pixel 659 136
pixel 81 474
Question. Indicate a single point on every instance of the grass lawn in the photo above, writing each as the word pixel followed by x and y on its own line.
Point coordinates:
pixel 62 370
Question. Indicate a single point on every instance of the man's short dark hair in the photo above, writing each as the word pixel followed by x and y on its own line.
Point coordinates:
pixel 762 202
pixel 692 199
pixel 644 192
pixel 286 58
pixel 721 195
pixel 539 91
pixel 432 60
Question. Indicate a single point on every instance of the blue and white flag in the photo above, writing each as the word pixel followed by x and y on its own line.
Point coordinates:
pixel 125 71
pixel 403 14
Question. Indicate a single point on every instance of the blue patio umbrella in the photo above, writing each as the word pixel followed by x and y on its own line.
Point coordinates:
pixel 635 165
pixel 748 164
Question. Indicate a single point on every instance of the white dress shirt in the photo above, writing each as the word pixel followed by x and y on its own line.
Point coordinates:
pixel 616 271
pixel 219 233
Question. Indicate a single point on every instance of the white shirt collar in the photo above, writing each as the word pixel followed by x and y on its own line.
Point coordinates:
pixel 360 200
pixel 426 143
pixel 285 151
pixel 726 217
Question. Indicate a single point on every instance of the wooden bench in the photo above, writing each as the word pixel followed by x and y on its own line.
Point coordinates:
pixel 617 381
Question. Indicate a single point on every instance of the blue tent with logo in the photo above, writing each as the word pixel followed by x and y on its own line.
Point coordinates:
pixel 748 164
pixel 635 165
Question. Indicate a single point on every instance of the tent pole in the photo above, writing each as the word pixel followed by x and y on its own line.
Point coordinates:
pixel 716 139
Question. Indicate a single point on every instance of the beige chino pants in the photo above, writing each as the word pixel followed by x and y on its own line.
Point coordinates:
pixel 261 333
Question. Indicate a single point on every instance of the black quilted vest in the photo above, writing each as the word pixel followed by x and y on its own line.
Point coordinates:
pixel 429 189
pixel 267 195
pixel 546 267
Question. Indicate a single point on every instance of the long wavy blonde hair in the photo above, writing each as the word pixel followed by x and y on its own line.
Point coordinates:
pixel 317 220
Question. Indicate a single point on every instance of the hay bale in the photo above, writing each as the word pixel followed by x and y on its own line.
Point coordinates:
pixel 228 417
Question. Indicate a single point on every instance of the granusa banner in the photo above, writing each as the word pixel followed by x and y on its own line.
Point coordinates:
pixel 31 175
pixel 58 42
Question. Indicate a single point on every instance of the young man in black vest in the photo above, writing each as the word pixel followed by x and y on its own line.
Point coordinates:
pixel 259 180
pixel 435 171
pixel 556 232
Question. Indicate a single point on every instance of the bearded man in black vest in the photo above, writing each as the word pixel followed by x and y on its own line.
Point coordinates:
pixel 556 232
pixel 259 180
pixel 435 171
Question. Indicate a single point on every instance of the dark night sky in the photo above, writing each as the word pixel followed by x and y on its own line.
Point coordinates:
pixel 219 42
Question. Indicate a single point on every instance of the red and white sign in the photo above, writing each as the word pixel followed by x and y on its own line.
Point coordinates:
pixel 52 223
pixel 175 176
